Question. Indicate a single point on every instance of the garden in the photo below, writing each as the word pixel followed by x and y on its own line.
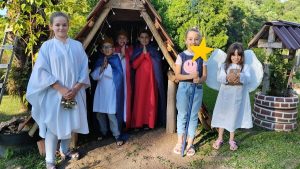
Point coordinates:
pixel 222 22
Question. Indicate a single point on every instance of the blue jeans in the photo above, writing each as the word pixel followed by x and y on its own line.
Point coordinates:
pixel 51 146
pixel 184 93
pixel 113 123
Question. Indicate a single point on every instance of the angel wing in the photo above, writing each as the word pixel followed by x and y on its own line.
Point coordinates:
pixel 218 57
pixel 214 61
pixel 256 70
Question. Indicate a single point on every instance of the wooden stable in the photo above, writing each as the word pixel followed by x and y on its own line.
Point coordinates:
pixel 108 14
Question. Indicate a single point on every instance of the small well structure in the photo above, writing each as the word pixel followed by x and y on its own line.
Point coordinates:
pixel 270 112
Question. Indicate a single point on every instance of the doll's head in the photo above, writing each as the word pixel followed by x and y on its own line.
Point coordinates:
pixel 107 46
pixel 235 54
pixel 192 38
pixel 122 38
pixel 59 25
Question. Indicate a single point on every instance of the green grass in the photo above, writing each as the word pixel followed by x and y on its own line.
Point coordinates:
pixel 9 107
pixel 22 159
pixel 258 148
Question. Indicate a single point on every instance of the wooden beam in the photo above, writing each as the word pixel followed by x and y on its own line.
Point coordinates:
pixel 96 27
pixel 158 39
pixel 171 104
pixel 125 4
pixel 271 39
pixel 263 43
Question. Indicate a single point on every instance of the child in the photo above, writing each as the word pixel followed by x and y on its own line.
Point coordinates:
pixel 109 94
pixel 188 72
pixel 60 75
pixel 232 109
pixel 149 95
pixel 126 52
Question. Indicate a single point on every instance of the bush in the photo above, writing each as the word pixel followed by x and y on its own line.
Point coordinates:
pixel 279 69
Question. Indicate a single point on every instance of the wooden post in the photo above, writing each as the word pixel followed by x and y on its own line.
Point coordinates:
pixel 269 51
pixel 158 39
pixel 171 104
pixel 96 27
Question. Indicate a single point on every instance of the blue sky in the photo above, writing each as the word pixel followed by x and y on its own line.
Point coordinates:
pixel 2 11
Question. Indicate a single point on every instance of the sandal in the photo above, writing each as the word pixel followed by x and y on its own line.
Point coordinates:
pixel 177 148
pixel 70 155
pixel 233 145
pixel 191 151
pixel 50 166
pixel 119 142
pixel 217 144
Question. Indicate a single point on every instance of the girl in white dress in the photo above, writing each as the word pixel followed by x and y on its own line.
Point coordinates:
pixel 232 109
pixel 59 76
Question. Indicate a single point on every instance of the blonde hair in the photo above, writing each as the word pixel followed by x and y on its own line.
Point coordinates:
pixel 193 29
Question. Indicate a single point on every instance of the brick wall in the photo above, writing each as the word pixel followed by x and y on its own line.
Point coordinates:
pixel 275 113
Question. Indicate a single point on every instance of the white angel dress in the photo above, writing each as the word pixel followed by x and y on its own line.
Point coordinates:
pixel 232 109
pixel 67 64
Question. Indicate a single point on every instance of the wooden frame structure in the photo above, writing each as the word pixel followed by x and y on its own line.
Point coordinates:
pixel 140 11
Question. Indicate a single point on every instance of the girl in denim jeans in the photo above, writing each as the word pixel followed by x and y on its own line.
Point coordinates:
pixel 189 72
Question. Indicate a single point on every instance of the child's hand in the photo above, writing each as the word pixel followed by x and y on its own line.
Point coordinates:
pixel 194 75
pixel 104 65
pixel 144 49
pixel 197 80
pixel 123 50
pixel 230 77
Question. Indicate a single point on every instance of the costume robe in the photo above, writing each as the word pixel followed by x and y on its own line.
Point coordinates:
pixel 232 109
pixel 117 73
pixel 127 83
pixel 67 64
pixel 149 94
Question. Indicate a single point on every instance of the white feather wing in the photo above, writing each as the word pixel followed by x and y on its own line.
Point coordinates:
pixel 214 61
pixel 256 70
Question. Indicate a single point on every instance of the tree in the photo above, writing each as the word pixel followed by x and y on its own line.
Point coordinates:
pixel 29 20
pixel 208 15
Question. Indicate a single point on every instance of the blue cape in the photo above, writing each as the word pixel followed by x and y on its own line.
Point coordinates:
pixel 156 62
pixel 116 65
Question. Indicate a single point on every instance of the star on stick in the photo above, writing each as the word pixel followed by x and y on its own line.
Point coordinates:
pixel 201 51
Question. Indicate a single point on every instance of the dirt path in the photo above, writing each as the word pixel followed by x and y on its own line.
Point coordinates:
pixel 146 149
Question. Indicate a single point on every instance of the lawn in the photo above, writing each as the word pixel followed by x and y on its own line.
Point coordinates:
pixel 258 148
pixel 9 107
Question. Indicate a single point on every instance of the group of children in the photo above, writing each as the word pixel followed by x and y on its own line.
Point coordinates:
pixel 61 73
pixel 113 73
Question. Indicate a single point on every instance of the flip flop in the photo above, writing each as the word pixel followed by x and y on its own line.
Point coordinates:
pixel 50 166
pixel 232 145
pixel 217 144
pixel 191 151
pixel 177 149
pixel 70 155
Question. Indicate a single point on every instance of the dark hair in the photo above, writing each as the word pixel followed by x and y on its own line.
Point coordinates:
pixel 144 31
pixel 232 48
pixel 54 15
pixel 193 29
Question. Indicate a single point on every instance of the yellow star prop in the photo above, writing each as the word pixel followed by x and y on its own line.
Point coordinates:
pixel 201 50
